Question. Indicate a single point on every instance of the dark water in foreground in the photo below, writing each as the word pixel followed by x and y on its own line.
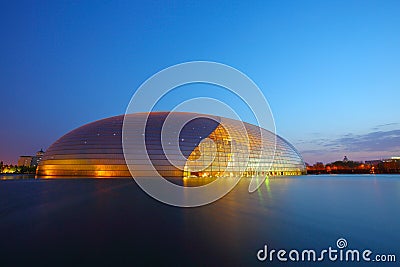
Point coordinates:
pixel 93 222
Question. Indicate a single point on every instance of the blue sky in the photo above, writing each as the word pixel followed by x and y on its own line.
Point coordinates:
pixel 329 69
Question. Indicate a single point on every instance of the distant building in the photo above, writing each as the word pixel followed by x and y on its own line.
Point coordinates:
pixel 31 161
pixel 391 159
pixel 391 165
pixel 373 162
pixel 25 161
pixel 36 159
pixel 345 159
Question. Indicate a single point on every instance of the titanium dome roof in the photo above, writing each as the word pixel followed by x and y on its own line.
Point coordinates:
pixel 206 143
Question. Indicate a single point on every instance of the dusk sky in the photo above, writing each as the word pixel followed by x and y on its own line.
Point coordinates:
pixel 329 69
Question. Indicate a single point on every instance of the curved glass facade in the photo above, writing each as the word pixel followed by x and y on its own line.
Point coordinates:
pixel 211 147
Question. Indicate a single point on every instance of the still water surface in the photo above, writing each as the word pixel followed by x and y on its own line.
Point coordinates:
pixel 94 222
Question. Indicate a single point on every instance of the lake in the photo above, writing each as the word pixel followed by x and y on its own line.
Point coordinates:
pixel 112 222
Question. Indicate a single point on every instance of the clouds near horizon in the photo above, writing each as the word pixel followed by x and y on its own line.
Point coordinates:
pixel 375 144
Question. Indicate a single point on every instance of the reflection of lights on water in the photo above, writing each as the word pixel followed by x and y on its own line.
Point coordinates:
pixel 260 195
pixel 267 186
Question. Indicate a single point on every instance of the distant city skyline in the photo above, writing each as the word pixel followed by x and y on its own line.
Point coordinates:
pixel 328 69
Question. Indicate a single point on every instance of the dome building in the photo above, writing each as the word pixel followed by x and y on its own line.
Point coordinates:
pixel 208 146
